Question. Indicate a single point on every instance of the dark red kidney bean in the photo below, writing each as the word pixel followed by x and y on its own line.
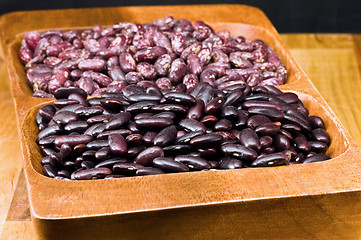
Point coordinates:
pixel 49 131
pixel 288 97
pixel 149 171
pixel 206 140
pixel 223 125
pixel 49 171
pixel 134 128
pixel 87 164
pixel 166 136
pixel 56 157
pixel 230 112
pixel 47 112
pixel 93 173
pixel 142 115
pixel 170 115
pixel 281 143
pixel 180 133
pixel 48 161
pixel 103 154
pixel 169 165
pixel 214 106
pixel 141 106
pixel 134 139
pixel 230 163
pixel 65 117
pixel 117 143
pixel 73 140
pixel 176 108
pixel 286 134
pixel 254 103
pixel 186 138
pixel 98 119
pixel 321 135
pixel 149 137
pixel 196 111
pixel 113 176
pixel 257 120
pixel 78 126
pixel 272 113
pixel 109 163
pixel 105 134
pixel 205 94
pixel 265 141
pixel 238 151
pixel 177 149
pixel 64 174
pixel 193 163
pixel 301 144
pixel 134 151
pixel 127 62
pixel 249 138
pixel 146 156
pixel 88 111
pixel 209 153
pixel 316 158
pixel 79 98
pixel 318 146
pixel 191 125
pixel 316 122
pixel 181 98
pixel 79 149
pixel 162 65
pixel 228 135
pixel 97 144
pixel 143 97
pixel 117 121
pixel 290 118
pixel 209 120
pixel 257 97
pixel 241 120
pixel 95 129
pixel 128 90
pixel 154 123
pixel 63 93
pixel 269 129
pixel 177 71
pixel 154 91
pixel 291 128
pixel 274 159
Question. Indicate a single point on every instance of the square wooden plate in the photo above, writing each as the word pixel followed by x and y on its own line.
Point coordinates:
pixel 272 203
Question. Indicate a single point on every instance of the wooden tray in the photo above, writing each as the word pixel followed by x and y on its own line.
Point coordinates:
pixel 207 205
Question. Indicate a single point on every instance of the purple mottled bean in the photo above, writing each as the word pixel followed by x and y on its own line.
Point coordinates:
pixel 194 64
pixel 163 64
pixel 177 71
pixel 127 63
pixel 178 43
pixel 146 70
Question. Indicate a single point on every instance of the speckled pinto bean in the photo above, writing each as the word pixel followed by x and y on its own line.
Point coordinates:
pixel 148 130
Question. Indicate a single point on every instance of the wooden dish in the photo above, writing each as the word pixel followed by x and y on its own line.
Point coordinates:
pixel 275 203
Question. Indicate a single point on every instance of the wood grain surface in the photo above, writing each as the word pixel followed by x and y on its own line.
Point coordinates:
pixel 332 61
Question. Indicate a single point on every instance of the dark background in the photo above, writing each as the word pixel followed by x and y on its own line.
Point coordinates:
pixel 287 15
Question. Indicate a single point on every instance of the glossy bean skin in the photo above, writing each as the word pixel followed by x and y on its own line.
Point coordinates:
pixel 230 163
pixel 166 136
pixel 249 138
pixel 126 168
pixel 206 140
pixel 117 143
pixel 73 140
pixel 148 171
pixel 169 165
pixel 196 111
pixel 273 159
pixel 193 163
pixel 154 123
pixel 238 151
pixel 92 173
pixel 192 125
pixel 145 157
pixel 316 158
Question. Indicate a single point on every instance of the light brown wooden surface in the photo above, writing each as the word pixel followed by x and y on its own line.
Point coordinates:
pixel 331 61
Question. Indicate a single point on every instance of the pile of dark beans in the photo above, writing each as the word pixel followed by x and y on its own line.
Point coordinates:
pixel 145 130
pixel 168 52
